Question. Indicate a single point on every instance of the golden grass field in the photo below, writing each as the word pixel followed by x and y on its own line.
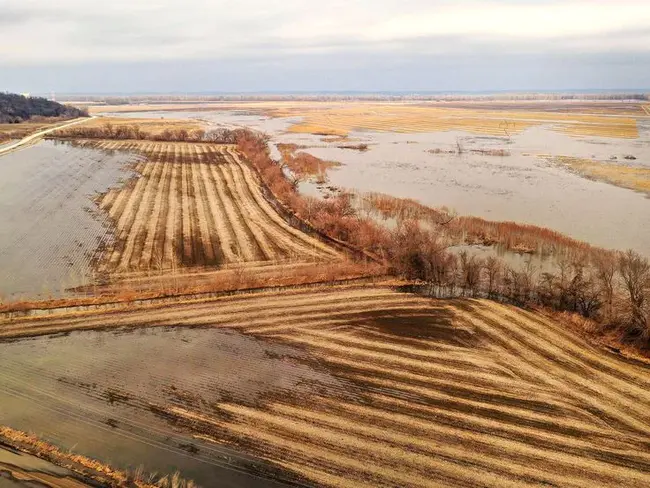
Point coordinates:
pixel 429 392
pixel 633 177
pixel 499 119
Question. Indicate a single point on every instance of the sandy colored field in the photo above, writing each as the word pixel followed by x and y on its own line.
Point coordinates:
pixel 196 205
pixel 433 392
pixel 606 119
pixel 396 118
pixel 632 177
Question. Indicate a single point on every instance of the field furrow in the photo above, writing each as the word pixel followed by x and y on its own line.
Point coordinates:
pixel 425 392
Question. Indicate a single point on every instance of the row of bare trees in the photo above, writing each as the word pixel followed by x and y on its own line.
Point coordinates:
pixel 612 289
pixel 136 132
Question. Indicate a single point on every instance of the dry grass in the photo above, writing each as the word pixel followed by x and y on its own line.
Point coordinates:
pixel 23 129
pixel 632 177
pixel 340 119
pixel 427 392
pixel 153 126
pixel 81 464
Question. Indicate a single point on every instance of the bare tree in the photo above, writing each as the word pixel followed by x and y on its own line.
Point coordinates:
pixel 635 272
pixel 493 270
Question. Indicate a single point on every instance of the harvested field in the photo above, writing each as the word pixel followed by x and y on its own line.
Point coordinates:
pixel 196 205
pixel 426 392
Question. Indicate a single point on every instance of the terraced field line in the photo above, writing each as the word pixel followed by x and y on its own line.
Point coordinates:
pixel 175 244
pixel 230 228
pixel 125 217
pixel 379 456
pixel 264 229
pixel 186 214
pixel 202 212
pixel 141 219
pixel 156 219
pixel 535 353
pixel 213 212
pixel 247 211
pixel 453 447
pixel 304 243
pixel 249 248
pixel 585 359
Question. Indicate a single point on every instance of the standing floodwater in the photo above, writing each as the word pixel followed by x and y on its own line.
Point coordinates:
pixel 49 224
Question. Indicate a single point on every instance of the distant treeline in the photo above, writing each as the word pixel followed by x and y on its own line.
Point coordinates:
pixel 17 108
pixel 135 132
pixel 161 99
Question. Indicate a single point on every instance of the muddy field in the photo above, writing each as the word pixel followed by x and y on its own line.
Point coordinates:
pixel 530 184
pixel 195 205
pixel 50 224
pixel 377 388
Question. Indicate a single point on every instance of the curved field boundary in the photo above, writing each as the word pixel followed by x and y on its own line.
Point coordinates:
pixel 292 219
pixel 429 392
pixel 196 205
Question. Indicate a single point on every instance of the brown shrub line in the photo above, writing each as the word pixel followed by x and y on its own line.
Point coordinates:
pixel 510 236
pixel 303 165
pixel 89 469
pixel 135 132
pixel 178 286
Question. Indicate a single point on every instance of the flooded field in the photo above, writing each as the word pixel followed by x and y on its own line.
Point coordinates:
pixel 50 226
pixel 18 470
pixel 523 186
pixel 97 393
pixel 339 386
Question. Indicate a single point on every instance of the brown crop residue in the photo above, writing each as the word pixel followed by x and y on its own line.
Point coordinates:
pixel 195 204
pixel 431 392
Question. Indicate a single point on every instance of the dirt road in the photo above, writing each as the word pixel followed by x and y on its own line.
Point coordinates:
pixel 37 135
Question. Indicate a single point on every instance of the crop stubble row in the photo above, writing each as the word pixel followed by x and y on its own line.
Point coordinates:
pixel 431 392
pixel 195 205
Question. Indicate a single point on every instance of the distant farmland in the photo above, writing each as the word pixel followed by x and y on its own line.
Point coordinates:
pixel 427 392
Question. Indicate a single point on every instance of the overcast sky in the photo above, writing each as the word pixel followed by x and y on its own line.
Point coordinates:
pixel 306 45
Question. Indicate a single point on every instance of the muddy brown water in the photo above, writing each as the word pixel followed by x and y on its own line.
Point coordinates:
pixel 92 391
pixel 522 187
pixel 17 467
pixel 50 226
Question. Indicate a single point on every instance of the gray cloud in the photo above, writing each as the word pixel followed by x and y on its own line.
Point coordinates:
pixel 164 45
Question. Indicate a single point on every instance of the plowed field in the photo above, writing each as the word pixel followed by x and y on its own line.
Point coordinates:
pixel 428 392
